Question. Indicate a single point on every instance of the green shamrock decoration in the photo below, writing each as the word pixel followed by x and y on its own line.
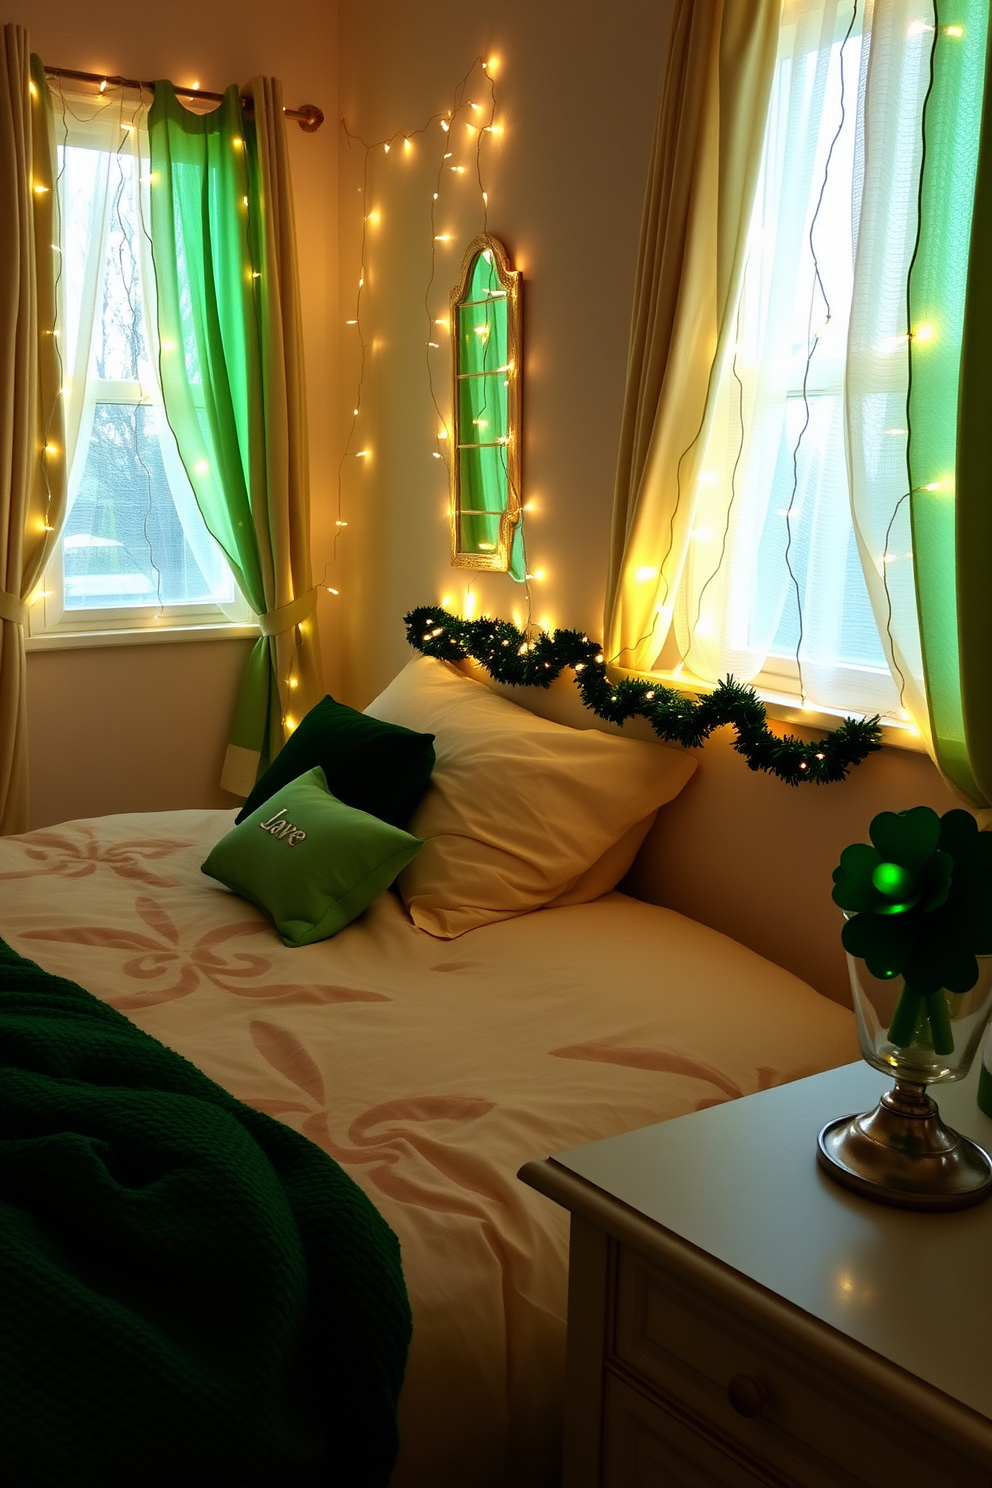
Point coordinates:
pixel 919 902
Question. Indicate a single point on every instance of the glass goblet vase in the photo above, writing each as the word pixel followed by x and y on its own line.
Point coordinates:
pixel 901 1153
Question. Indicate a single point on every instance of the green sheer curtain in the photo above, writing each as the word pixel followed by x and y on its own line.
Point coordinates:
pixel 948 492
pixel 974 467
pixel 231 366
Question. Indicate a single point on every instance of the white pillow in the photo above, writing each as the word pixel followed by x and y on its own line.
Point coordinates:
pixel 518 808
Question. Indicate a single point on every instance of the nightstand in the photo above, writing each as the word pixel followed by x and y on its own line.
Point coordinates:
pixel 735 1318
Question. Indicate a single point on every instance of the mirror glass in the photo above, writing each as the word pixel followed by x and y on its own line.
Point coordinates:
pixel 485 324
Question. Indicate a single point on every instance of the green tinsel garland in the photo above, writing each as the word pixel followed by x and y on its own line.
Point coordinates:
pixel 509 657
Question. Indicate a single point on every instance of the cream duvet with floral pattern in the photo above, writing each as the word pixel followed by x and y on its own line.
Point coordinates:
pixel 431 1070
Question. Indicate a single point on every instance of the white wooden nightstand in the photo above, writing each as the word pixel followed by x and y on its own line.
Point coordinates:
pixel 736 1318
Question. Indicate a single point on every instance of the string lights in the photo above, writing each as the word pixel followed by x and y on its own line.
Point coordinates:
pixel 513 657
pixel 453 140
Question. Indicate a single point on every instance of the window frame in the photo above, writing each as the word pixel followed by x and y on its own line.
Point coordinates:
pixel 52 624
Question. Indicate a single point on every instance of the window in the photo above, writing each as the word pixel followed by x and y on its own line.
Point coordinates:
pixel 800 550
pixel 134 552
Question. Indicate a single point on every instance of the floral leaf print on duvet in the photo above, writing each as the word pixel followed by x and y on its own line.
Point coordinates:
pixel 63 857
pixel 385 1134
pixel 671 1062
pixel 176 969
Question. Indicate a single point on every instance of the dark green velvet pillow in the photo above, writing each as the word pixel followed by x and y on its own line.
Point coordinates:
pixel 310 861
pixel 376 767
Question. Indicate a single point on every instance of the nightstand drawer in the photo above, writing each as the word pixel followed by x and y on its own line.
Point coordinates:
pixel 646 1445
pixel 742 1381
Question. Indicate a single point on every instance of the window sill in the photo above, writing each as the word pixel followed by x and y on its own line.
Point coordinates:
pixel 78 640
pixel 785 709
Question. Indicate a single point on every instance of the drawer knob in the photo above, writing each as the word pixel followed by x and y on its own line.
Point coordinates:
pixel 746 1395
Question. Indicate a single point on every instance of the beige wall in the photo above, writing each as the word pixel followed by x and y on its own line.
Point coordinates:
pixel 577 87
pixel 130 728
pixel 144 728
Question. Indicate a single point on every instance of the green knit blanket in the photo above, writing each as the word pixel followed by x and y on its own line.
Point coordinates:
pixel 191 1294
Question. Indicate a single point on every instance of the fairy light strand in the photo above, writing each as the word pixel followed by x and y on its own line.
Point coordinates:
pixel 465 112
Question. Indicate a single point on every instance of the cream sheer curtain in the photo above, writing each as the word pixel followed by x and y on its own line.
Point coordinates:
pixel 777 541
pixel 84 188
pixel 890 147
pixel 297 665
pixel 32 466
pixel 771 553
pixel 702 178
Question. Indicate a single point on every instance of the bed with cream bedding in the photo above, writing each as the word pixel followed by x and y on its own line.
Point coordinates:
pixel 431 1069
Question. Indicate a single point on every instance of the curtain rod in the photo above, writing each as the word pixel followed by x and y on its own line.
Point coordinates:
pixel 308 115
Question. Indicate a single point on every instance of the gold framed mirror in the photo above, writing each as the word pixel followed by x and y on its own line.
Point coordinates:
pixel 485 382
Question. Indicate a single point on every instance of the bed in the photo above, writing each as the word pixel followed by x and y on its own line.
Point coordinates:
pixel 431 1069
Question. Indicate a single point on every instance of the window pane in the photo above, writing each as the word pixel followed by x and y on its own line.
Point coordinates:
pixel 134 536
pixel 123 541
pixel 822 555
pixel 119 348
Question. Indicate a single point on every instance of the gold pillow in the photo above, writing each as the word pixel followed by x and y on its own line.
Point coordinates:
pixel 608 870
pixel 518 808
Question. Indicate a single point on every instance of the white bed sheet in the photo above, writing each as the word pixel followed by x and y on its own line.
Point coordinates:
pixel 431 1070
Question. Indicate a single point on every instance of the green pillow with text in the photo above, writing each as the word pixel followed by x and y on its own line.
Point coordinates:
pixel 311 862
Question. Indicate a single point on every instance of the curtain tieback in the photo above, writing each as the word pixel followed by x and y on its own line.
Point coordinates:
pixel 13 608
pixel 274 622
